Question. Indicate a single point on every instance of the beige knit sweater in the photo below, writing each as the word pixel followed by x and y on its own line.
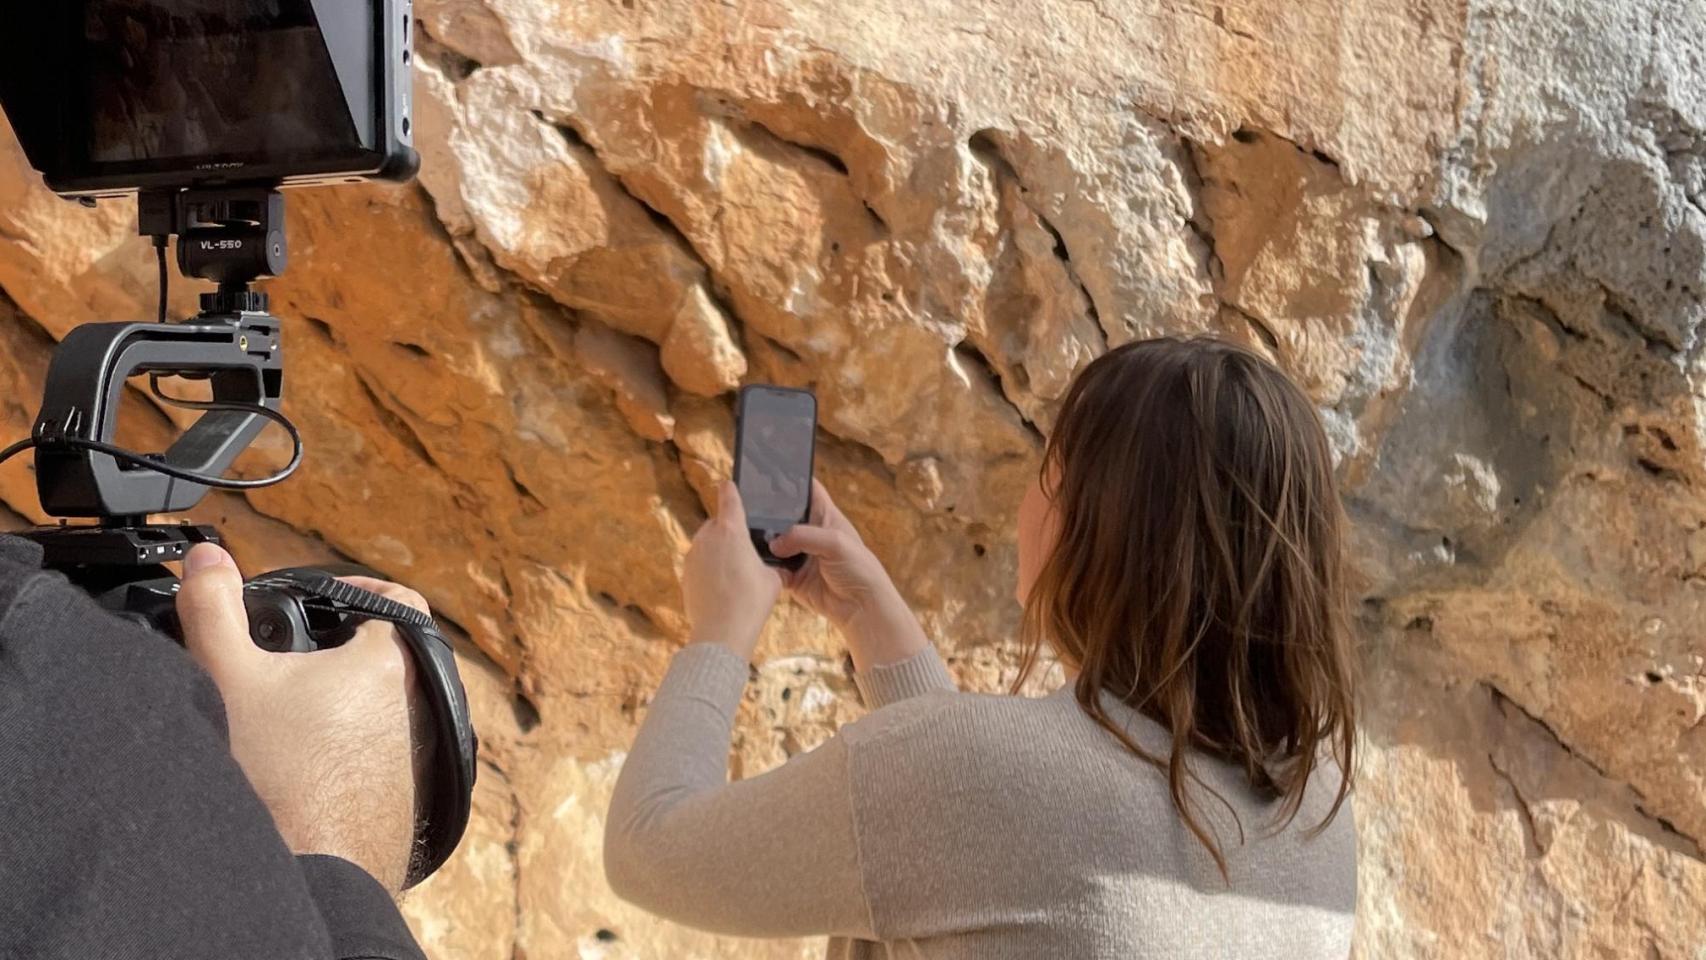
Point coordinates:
pixel 956 825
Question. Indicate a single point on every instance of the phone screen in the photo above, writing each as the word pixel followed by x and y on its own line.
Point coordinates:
pixel 774 463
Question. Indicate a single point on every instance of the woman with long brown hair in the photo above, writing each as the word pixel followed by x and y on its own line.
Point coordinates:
pixel 1185 794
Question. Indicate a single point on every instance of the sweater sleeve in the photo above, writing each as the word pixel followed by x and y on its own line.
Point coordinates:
pixel 922 673
pixel 770 856
pixel 360 916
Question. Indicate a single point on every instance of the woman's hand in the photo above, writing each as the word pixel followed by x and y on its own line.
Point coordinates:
pixel 846 583
pixel 728 591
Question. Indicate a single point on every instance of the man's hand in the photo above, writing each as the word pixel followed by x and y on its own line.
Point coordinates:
pixel 325 737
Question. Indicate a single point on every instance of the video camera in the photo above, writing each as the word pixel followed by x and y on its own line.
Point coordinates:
pixel 204 109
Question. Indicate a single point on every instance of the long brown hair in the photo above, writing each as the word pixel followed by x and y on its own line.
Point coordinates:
pixel 1197 575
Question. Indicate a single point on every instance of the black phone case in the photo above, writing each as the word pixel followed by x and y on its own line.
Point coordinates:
pixel 760 538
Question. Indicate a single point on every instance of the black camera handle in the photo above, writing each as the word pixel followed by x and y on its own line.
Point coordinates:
pixel 232 236
pixel 238 353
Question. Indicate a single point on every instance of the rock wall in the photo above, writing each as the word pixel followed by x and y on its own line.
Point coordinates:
pixel 1475 229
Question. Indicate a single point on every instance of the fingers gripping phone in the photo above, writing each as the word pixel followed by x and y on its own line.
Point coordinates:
pixel 775 440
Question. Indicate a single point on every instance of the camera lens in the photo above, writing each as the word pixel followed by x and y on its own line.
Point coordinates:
pixel 271 629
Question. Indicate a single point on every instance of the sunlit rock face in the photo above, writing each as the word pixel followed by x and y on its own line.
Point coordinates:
pixel 1474 230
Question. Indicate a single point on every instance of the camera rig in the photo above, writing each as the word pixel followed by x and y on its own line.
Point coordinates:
pixel 233 237
pixel 204 111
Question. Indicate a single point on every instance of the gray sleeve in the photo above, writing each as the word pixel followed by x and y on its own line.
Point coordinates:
pixel 922 673
pixel 770 856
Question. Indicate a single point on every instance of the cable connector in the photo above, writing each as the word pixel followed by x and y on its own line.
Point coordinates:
pixel 59 434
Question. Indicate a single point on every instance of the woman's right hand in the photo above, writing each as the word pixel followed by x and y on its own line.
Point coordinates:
pixel 846 583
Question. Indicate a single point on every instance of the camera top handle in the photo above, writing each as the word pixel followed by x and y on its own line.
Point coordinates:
pixel 232 236
pixel 238 353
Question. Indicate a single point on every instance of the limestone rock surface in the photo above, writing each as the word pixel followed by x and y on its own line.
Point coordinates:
pixel 1474 229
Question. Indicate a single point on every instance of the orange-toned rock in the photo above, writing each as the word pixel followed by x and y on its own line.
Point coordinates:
pixel 1475 232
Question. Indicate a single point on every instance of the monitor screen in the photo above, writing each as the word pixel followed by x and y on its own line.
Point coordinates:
pixel 169 80
pixel 113 96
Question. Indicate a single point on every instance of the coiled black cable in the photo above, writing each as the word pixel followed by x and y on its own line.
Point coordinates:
pixel 179 473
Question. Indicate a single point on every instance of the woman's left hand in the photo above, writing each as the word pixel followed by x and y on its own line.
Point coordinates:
pixel 728 591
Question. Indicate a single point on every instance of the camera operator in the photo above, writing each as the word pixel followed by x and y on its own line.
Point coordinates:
pixel 216 800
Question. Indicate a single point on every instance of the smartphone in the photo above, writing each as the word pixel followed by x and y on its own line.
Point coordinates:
pixel 775 440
